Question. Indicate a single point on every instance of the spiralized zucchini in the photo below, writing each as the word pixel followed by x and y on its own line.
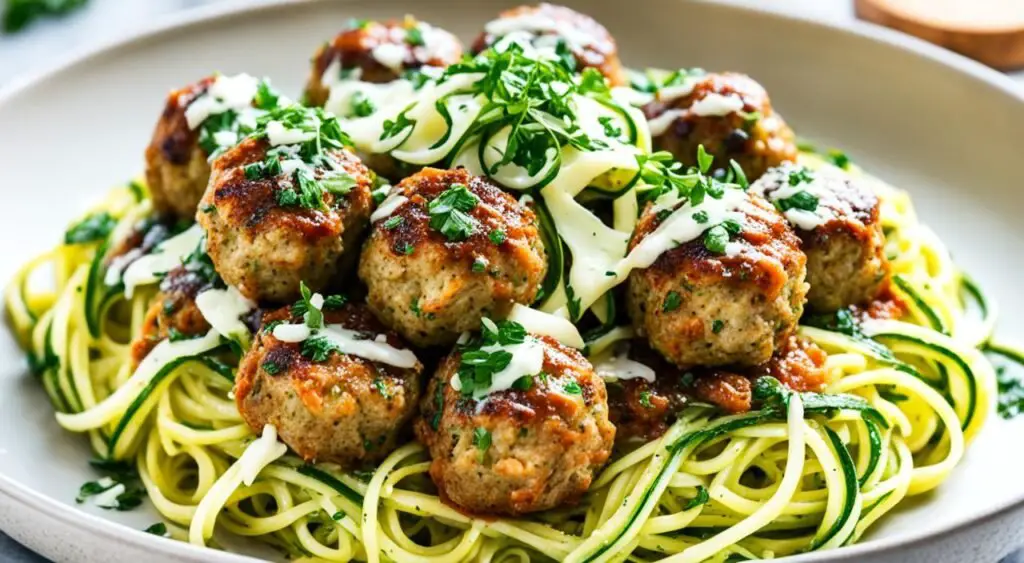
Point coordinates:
pixel 766 483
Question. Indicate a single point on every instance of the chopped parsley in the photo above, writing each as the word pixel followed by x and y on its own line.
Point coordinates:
pixel 319 173
pixel 839 158
pixel 313 316
pixel 381 387
pixel 497 236
pixel 318 348
pixel 158 529
pixel 414 36
pixel 449 213
pixel 645 399
pixel 717 325
pixel 271 367
pixel 799 176
pixel 93 228
pixel 482 441
pixel 1010 387
pixel 524 383
pixel 609 127
pixel 531 100
pixel 479 265
pixel 700 499
pixel 572 388
pixel 700 217
pixel 20 13
pixel 800 200
pixel 362 105
pixel 477 366
pixel 117 473
pixel 393 222
pixel 672 302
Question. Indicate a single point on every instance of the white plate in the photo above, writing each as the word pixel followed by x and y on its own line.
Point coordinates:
pixel 945 128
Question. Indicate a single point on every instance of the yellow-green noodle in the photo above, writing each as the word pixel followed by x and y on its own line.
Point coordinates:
pixel 776 484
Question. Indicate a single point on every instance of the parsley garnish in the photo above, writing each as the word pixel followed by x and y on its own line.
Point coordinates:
pixel 312 316
pixel 448 212
pixel 672 302
pixel 158 529
pixel 393 222
pixel 645 399
pixel 497 236
pixel 479 265
pixel 362 105
pixel 477 366
pixel 800 200
pixel 20 13
pixel 717 325
pixel 91 229
pixel 414 36
pixel 572 388
pixel 271 367
pixel 318 348
pixel 701 499
pixel 482 441
pixel 800 176
pixel 381 387
pixel 839 158
pixel 609 128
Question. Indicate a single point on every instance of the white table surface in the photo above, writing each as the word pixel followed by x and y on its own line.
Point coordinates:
pixel 49 40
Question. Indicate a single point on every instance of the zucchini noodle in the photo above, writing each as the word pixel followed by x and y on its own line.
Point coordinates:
pixel 761 484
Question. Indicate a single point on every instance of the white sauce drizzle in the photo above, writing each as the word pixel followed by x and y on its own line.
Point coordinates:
pixel 165 257
pixel 279 134
pixel 355 343
pixel 680 227
pixel 390 55
pixel 622 367
pixel 527 359
pixel 108 498
pixel 387 207
pixel 715 104
pixel 658 125
pixel 222 309
pixel 538 23
pixel 546 324
pixel 225 93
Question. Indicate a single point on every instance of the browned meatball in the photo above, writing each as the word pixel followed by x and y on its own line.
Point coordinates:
pixel 836 217
pixel 643 410
pixel 264 238
pixel 699 307
pixel 173 314
pixel 730 114
pixel 345 408
pixel 529 448
pixel 177 168
pixel 432 275
pixel 551 27
pixel 379 52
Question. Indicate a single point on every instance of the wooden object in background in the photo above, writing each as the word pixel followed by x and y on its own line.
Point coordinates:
pixel 990 31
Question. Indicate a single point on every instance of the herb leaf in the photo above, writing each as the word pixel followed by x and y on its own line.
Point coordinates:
pixel 90 229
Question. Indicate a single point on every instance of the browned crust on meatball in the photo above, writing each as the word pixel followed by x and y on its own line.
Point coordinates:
pixel 846 263
pixel 265 249
pixel 734 310
pixel 354 46
pixel 176 166
pixel 172 309
pixel 644 410
pixel 347 409
pixel 546 446
pixel 602 54
pixel 411 261
pixel 756 145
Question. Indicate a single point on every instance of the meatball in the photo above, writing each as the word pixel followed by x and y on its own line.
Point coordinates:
pixel 454 249
pixel 379 52
pixel 177 168
pixel 729 114
pixel 345 409
pixel 551 28
pixel 701 307
pixel 528 448
pixel 173 313
pixel 643 410
pixel 267 232
pixel 837 219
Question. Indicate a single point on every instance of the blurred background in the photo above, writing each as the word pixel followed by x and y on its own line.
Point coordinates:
pixel 40 33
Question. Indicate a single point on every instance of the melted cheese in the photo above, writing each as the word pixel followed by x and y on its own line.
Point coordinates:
pixel 260 453
pixel 387 207
pixel 222 309
pixel 225 93
pixel 165 257
pixel 355 343
pixel 546 324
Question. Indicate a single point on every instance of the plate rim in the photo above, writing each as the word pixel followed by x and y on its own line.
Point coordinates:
pixel 182 21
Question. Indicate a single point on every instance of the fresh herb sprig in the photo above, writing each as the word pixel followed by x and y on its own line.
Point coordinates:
pixel 477 366
pixel 319 173
pixel 449 213
pixel 533 98
pixel 18 14
pixel 665 176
